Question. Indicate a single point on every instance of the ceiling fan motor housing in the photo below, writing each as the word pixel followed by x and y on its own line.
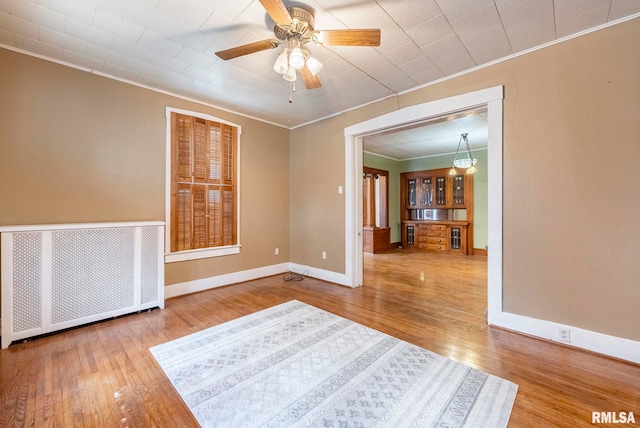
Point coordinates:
pixel 301 28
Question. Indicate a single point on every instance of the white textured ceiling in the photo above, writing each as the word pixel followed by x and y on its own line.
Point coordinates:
pixel 437 137
pixel 170 44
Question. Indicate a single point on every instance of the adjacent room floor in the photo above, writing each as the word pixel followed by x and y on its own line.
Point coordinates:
pixel 104 375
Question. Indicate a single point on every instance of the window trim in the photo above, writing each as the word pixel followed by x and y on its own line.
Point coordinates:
pixel 200 253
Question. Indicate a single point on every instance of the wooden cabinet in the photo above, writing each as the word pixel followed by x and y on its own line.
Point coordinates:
pixel 441 191
pixel 449 236
pixel 435 188
pixel 437 210
pixel 375 239
pixel 432 236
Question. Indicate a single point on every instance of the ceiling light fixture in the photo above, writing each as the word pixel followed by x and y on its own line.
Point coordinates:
pixel 294 58
pixel 467 163
pixel 290 75
pixel 314 65
pixel 282 62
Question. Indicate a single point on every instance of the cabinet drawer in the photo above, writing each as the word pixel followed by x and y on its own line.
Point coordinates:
pixel 422 232
pixel 437 233
pixel 423 239
pixel 436 226
pixel 436 240
pixel 436 247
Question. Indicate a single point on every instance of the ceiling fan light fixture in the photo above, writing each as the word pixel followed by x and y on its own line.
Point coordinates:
pixel 296 58
pixel 290 75
pixel 314 65
pixel 282 62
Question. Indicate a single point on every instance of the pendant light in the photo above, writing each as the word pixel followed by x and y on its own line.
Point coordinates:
pixel 467 163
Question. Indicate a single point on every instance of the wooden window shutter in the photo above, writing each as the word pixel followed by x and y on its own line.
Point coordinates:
pixel 215 216
pixel 200 151
pixel 203 187
pixel 215 153
pixel 199 216
pixel 229 143
pixel 182 136
pixel 182 219
pixel 228 217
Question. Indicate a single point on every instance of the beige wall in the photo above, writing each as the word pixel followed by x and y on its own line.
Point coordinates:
pixel 570 189
pixel 76 147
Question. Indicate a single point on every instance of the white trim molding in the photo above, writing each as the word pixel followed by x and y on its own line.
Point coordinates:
pixel 75 226
pixel 354 134
pixel 322 274
pixel 203 284
pixel 188 287
pixel 600 343
pixel 201 253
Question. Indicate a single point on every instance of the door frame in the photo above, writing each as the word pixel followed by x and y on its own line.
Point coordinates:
pixel 491 98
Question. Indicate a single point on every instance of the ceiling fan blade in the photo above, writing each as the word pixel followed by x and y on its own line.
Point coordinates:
pixel 250 48
pixel 310 81
pixel 361 37
pixel 277 11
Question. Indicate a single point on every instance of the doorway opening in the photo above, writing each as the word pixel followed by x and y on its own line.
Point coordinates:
pixel 491 99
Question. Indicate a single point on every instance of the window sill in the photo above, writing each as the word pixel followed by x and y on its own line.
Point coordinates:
pixel 203 253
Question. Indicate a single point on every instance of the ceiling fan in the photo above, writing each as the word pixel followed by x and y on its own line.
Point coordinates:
pixel 294 28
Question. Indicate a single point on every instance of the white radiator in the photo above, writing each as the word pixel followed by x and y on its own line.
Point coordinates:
pixel 60 276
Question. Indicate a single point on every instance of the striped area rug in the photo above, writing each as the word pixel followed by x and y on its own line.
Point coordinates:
pixel 297 365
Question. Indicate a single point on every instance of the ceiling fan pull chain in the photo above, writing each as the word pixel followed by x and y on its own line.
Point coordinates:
pixel 292 89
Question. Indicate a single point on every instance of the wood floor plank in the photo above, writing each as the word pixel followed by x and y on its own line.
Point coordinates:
pixel 104 375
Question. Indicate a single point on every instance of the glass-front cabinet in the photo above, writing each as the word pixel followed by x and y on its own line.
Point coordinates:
pixel 441 191
pixel 457 191
pixel 437 210
pixel 412 193
pixel 427 192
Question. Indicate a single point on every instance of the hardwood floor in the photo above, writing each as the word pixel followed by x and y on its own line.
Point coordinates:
pixel 104 375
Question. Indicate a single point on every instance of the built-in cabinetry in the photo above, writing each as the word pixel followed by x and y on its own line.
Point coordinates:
pixel 449 236
pixel 437 210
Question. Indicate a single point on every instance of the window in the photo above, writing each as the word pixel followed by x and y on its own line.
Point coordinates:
pixel 203 186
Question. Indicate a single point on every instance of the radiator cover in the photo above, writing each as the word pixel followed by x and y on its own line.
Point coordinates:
pixel 61 276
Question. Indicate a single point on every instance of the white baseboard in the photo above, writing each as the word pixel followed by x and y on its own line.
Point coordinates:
pixel 188 287
pixel 612 346
pixel 325 275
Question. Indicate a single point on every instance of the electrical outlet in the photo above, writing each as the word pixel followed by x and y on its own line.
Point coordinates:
pixel 564 335
pixel 277 251
pixel 324 254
